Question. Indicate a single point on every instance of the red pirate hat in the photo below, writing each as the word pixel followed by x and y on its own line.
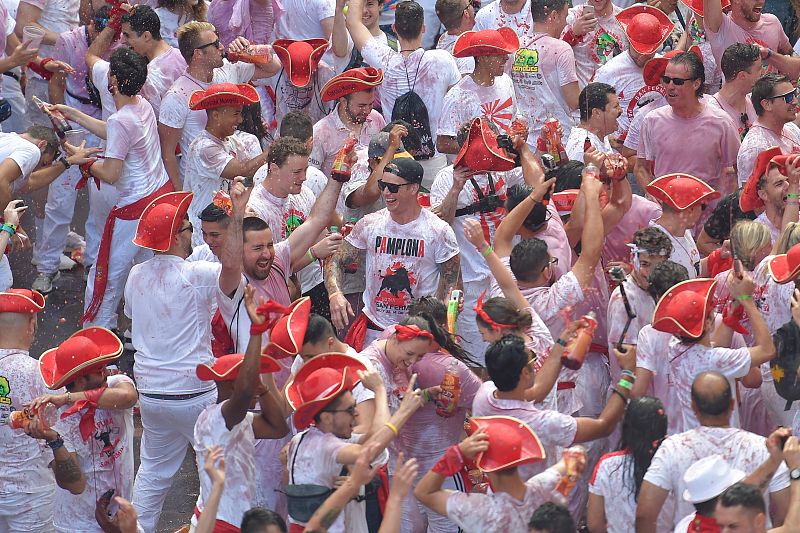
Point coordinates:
pixel 511 443
pixel 683 309
pixel 646 27
pixel 85 352
pixel 318 382
pixel 287 335
pixel 21 301
pixel 498 42
pixel 655 68
pixel 564 201
pixel 223 95
pixel 226 368
pixel 681 191
pixel 697 5
pixel 161 219
pixel 351 81
pixel 300 58
pixel 785 267
pixel 481 152
pixel 748 199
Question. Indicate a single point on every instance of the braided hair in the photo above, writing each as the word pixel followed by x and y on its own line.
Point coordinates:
pixel 643 429
pixel 430 314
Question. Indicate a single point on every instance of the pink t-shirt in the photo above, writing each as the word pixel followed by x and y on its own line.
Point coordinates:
pixel 251 19
pixel 132 137
pixel 162 71
pixel 641 213
pixel 758 139
pixel 597 47
pixel 633 135
pixel 330 134
pixel 701 146
pixel 541 67
pixel 467 100
pixel 720 103
pixel 768 32
pixel 71 48
pixel 402 261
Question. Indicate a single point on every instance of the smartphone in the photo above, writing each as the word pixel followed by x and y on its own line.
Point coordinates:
pixel 248 181
pixel 588 10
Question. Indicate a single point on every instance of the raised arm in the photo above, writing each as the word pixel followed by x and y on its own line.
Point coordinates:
pixel 30 14
pixel 763 348
pixel 247 168
pixel 355 25
pixel 592 236
pixel 508 228
pixel 231 257
pixel 339 40
pixel 712 15
pixel 446 210
pixel 309 231
pixel 99 46
pixel 94 125
pixel 367 193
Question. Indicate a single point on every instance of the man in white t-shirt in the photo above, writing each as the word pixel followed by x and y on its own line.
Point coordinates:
pixel 304 19
pixel 775 102
pixel 712 401
pixel 203 53
pixel 23 153
pixel 682 198
pixel 686 311
pixel 429 73
pixel 24 463
pixel 514 14
pixel 216 155
pixel 169 302
pixel 92 440
pixel 352 118
pixel 487 92
pixel 599 109
pixel 456 17
pixel 595 35
pixel 410 253
pixel 543 70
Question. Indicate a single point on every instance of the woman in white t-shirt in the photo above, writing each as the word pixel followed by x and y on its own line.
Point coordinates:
pixel 175 13
pixel 618 476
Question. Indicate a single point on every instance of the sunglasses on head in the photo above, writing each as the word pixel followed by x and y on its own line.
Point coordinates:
pixel 789 97
pixel 676 81
pixel 393 187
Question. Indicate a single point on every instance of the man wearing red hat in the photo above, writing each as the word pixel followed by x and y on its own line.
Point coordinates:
pixel 741 66
pixel 687 311
pixel 646 29
pixel 543 70
pixel 498 445
pixel 688 135
pixel 775 101
pixel 746 23
pixel 170 302
pixel 92 441
pixel 23 463
pixel 353 117
pixel 596 37
pixel 683 198
pixel 219 153
pixel 230 424
pixel 773 186
pixel 487 92
pixel 200 47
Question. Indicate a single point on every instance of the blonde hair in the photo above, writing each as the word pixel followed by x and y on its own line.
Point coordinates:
pixel 789 237
pixel 189 37
pixel 747 238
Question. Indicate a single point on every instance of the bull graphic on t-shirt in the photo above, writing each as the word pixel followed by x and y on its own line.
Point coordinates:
pixel 396 283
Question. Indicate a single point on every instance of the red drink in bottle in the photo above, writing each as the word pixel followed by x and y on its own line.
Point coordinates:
pixel 578 346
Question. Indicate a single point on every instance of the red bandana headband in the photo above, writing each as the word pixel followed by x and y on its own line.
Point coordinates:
pixel 266 309
pixel 409 333
pixel 496 326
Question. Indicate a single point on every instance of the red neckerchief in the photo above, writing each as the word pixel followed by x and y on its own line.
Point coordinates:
pixel 86 425
pixel 703 524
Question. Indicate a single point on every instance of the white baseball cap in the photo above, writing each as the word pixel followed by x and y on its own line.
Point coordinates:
pixel 708 477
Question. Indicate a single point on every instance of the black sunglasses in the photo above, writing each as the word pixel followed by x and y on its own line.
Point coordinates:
pixel 215 44
pixel 789 97
pixel 677 81
pixel 350 410
pixel 393 187
pixel 187 228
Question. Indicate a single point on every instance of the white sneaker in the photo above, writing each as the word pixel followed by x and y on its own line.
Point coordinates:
pixel 44 282
pixel 65 263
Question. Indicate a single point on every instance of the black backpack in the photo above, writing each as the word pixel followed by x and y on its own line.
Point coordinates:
pixel 410 108
pixel 784 366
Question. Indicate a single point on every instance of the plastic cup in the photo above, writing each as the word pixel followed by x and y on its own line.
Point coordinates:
pixel 34 34
pixel 75 137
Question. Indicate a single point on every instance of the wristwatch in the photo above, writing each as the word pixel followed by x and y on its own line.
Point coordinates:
pixel 63 161
pixel 794 474
pixel 56 443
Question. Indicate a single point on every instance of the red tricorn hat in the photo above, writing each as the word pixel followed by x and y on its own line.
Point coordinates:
pixel 748 199
pixel 21 301
pixel 657 66
pixel 85 352
pixel 697 5
pixel 646 27
pixel 223 95
pixel 498 42
pixel 683 309
pixel 160 220
pixel 318 382
pixel 226 368
pixel 681 191
pixel 511 443
pixel 785 267
pixel 351 81
pixel 289 332
pixel 481 152
pixel 300 58
pixel 564 201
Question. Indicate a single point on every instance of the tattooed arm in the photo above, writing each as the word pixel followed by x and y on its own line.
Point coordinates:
pixel 341 312
pixel 65 465
pixel 449 277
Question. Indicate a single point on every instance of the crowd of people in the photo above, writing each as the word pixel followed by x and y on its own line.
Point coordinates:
pixel 403 266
